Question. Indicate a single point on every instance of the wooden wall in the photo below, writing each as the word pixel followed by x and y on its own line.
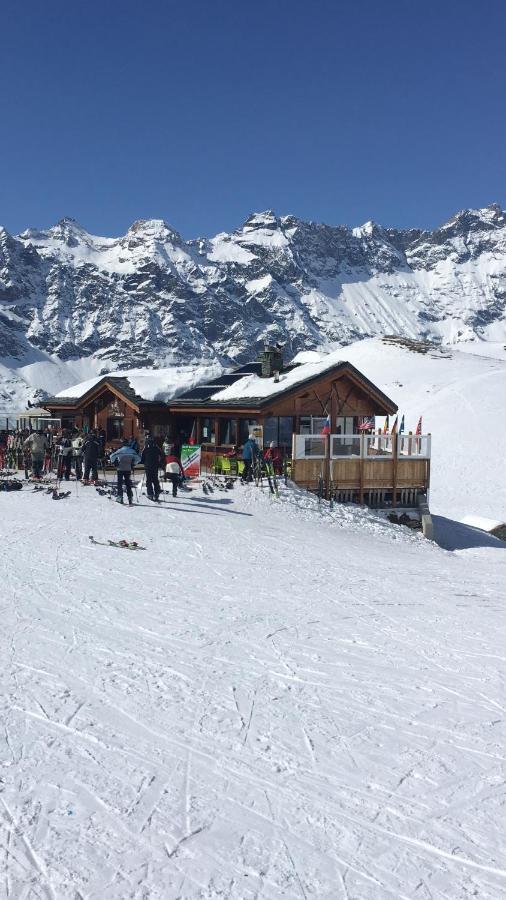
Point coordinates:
pixel 331 394
pixel 366 474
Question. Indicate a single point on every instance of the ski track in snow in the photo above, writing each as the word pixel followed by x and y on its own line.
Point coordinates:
pixel 273 700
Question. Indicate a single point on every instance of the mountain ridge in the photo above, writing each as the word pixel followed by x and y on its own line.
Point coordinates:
pixel 78 303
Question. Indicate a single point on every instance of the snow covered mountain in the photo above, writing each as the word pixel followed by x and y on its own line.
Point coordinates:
pixel 73 305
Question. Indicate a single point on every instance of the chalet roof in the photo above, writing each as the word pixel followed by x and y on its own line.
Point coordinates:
pixel 34 412
pixel 140 386
pixel 76 394
pixel 245 386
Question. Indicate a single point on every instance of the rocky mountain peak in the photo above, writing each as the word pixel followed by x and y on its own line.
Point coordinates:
pixel 67 296
pixel 156 228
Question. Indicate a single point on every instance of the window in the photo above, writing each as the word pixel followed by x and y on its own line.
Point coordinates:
pixel 278 429
pixel 244 429
pixel 271 430
pixel 345 425
pixel 312 424
pixel 115 428
pixel 285 431
pixel 228 431
pixel 208 435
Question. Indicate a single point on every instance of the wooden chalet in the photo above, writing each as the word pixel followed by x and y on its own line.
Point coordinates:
pixel 111 405
pixel 311 409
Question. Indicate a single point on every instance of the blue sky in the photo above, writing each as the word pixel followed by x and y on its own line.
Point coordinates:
pixel 202 112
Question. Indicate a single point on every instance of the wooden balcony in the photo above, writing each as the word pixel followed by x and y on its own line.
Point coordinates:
pixel 378 470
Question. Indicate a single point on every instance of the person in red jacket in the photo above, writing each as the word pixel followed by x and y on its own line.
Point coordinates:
pixel 273 455
pixel 173 469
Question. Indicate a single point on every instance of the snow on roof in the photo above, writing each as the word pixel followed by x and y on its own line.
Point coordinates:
pixel 255 386
pixel 79 390
pixel 151 384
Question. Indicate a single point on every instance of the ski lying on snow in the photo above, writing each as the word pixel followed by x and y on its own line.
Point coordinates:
pixel 123 545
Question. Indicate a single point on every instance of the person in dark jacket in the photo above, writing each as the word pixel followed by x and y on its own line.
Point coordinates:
pixel 91 454
pixel 152 458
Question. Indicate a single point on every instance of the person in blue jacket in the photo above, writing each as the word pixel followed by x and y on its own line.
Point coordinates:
pixel 125 458
pixel 250 452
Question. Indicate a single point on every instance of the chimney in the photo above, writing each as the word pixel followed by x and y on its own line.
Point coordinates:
pixel 272 361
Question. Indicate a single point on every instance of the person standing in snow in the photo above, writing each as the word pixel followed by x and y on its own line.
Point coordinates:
pixel 77 453
pixel 36 444
pixel 64 456
pixel 250 452
pixel 152 458
pixel 91 455
pixel 125 458
pixel 173 470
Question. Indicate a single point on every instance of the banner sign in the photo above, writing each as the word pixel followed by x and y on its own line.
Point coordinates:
pixel 190 460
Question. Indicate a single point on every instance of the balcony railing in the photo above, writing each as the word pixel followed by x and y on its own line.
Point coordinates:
pixel 377 469
pixel 361 446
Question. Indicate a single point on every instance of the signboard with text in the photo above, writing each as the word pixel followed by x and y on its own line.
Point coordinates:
pixel 190 460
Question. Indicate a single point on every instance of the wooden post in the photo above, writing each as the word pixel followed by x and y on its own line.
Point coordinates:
pixel 333 418
pixel 394 470
pixel 429 436
pixel 328 464
pixel 361 467
pixel 410 443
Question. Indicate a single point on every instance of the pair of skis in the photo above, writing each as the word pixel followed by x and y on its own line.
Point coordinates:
pixel 272 479
pixel 122 545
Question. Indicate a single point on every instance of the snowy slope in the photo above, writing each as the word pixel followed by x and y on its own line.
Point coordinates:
pixel 150 298
pixel 244 709
pixel 461 398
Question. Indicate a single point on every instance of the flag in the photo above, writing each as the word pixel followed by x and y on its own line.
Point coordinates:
pixel 401 429
pixel 385 426
pixel 419 426
pixel 393 429
pixel 326 427
pixel 367 423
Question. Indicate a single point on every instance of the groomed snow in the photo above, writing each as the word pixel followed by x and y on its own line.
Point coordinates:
pixel 270 700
